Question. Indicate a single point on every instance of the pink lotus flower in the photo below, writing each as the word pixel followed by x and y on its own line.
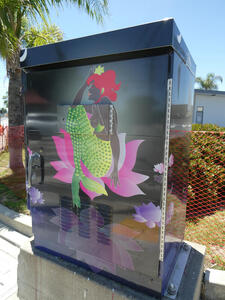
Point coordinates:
pixel 29 151
pixel 64 167
pixel 128 180
pixel 160 168
pixel 171 160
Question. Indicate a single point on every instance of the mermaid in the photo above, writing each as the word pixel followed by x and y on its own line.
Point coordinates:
pixel 93 131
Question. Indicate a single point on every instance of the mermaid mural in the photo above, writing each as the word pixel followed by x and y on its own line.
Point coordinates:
pixel 95 158
pixel 92 152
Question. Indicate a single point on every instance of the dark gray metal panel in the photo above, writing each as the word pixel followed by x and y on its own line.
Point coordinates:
pixel 182 50
pixel 140 109
pixel 133 39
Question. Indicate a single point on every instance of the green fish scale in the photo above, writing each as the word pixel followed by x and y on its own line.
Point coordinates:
pixel 95 153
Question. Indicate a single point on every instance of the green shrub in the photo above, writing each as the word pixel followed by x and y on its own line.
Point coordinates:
pixel 207 127
pixel 199 169
pixel 206 191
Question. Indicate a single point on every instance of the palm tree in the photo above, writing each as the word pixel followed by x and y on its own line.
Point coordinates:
pixel 5 100
pixel 12 36
pixel 210 82
pixel 41 35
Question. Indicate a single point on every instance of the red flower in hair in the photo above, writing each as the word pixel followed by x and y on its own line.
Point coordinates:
pixel 106 83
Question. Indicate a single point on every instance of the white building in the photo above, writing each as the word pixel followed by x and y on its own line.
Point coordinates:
pixel 209 107
pixel 4 121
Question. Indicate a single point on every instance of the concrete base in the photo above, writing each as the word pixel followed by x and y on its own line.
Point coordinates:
pixel 42 276
pixel 191 284
pixel 214 285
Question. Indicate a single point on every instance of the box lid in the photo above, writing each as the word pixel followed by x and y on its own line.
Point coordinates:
pixel 114 45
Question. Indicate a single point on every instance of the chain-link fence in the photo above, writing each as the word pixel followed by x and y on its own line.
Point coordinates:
pixel 12 173
pixel 206 195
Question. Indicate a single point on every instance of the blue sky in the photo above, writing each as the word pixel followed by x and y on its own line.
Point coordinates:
pixel 202 24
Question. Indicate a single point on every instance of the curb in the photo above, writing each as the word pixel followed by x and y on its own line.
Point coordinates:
pixel 12 236
pixel 214 285
pixel 22 223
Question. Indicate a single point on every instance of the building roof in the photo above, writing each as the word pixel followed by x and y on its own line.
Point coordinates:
pixel 209 92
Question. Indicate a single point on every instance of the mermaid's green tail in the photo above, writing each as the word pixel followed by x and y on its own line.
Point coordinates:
pixel 88 183
pixel 94 153
pixel 75 190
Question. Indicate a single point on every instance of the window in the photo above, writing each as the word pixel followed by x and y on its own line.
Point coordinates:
pixel 199 114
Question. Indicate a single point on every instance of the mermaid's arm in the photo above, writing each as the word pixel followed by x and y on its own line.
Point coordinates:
pixel 115 146
pixel 79 95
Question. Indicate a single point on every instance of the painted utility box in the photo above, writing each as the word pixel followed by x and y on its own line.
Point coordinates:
pixel 107 122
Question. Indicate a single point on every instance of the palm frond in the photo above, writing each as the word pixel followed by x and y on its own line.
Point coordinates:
pixel 96 9
pixel 41 35
pixel 210 82
pixel 12 13
pixel 220 78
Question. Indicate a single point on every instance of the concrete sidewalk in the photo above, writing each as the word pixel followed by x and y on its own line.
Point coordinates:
pixel 10 242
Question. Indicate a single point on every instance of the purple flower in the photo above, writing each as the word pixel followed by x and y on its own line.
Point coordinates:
pixel 148 214
pixel 151 214
pixel 36 196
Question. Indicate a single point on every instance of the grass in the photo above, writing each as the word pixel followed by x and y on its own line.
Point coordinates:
pixel 209 231
pixel 12 186
pixel 11 200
